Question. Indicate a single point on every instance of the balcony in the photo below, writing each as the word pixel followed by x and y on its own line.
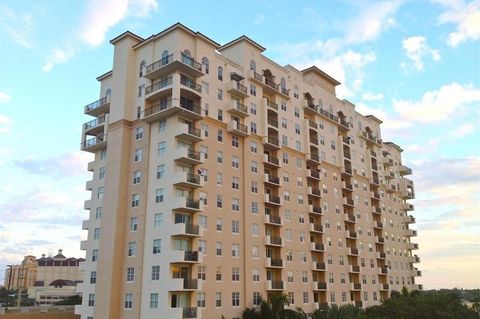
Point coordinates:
pixel 237 128
pixel 373 154
pixel 352 251
pixel 273 200
pixel 346 140
pixel 312 125
pixel 189 313
pixel 415 259
pixel 166 108
pixel 318 285
pixel 347 171
pixel 347 186
pixel 85 224
pixel 178 61
pixel 271 143
pixel 407 207
pixel 272 180
pixel 271 160
pixel 238 89
pixel 411 233
pixel 348 202
pixel 318 247
pixel 159 88
pixel 329 116
pixel 274 285
pixel 376 210
pixel 270 104
pixel 83 245
pixel 313 174
pixel 389 175
pixel 380 240
pixel 318 266
pixel 371 139
pixel 191 85
pixel 409 219
pixel 381 255
pixel 186 229
pixel 383 271
pixel 314 192
pixel 188 133
pixel 274 241
pixel 388 161
pixel 273 220
pixel 412 246
pixel 374 182
pixel 351 234
pixel 313 209
pixel 274 263
pixel 95 143
pixel 238 109
pixel 257 77
pixel 96 126
pixel 407 194
pixel 89 185
pixel 310 108
pixel 350 218
pixel 98 107
pixel 316 228
pixel 187 156
pixel 312 157
pixel 356 286
pixel 188 205
pixel 404 170
pixel 391 188
pixel 418 273
pixel 384 287
pixel 354 269
pixel 378 225
pixel 187 180
pixel 313 139
pixel 181 256
pixel 375 195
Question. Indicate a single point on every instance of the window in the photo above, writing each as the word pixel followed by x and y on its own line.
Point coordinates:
pixel 235 274
pixel 283 105
pixel 284 122
pixel 289 276
pixel 162 125
pixel 138 155
pixel 218 299
pixel 218 273
pixel 204 151
pixel 160 171
pixel 255 230
pixel 235 161
pixel 128 301
pixel 219 179
pixel 132 249
pixel 155 272
pixel 202 246
pixel 305 297
pixel 219 157
pixel 253 90
pixel 91 300
pixel 254 167
pixel 157 220
pixel 285 140
pixel 130 274
pixel 100 191
pixel 253 108
pixel 96 233
pixel 201 300
pixel 94 254
pixel 202 272
pixel 254 207
pixel 235 182
pixel 103 154
pixel 255 251
pixel 139 132
pixel 206 65
pixel 256 298
pixel 235 227
pixel 93 277
pixel 297 112
pixel 219 201
pixel 220 73
pixel 98 213
pixel 253 147
pixel 297 128
pixel 304 276
pixel 135 200
pixel 101 173
pixel 136 177
pixel 218 248
pixel 220 136
pixel 162 147
pixel 254 187
pixel 235 250
pixel 159 195
pixel 256 275
pixel 235 299
pixel 157 246
pixel 219 224
pixel 154 300
pixel 253 127
pixel 253 66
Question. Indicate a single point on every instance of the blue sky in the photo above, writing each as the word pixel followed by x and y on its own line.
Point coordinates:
pixel 414 64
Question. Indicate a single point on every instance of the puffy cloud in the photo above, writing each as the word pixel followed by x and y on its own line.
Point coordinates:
pixel 58 56
pixel 372 21
pixel 4 97
pixel 18 26
pixel 440 105
pixel 466 17
pixel 416 49
pixel 369 96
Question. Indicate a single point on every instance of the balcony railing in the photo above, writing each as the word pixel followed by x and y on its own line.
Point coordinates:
pixel 94 105
pixel 191 256
pixel 318 285
pixel 272 122
pixel 316 228
pixel 355 268
pixel 163 83
pixel 328 115
pixel 273 179
pixel 189 313
pixel 312 124
pixel 257 76
pixel 272 160
pixel 319 265
pixel 158 107
pixel 276 262
pixel 159 64
pixel 93 141
pixel 346 140
pixel 240 87
pixel 190 83
pixel 272 104
pixel 277 284
pixel 273 140
pixel 193 203
pixel 318 246
pixel 271 84
pixel 315 209
pixel 94 123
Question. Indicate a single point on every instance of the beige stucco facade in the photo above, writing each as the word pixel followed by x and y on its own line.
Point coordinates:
pixel 220 176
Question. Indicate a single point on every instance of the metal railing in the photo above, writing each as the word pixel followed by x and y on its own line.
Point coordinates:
pixel 190 83
pixel 163 83
pixel 158 107
pixel 104 100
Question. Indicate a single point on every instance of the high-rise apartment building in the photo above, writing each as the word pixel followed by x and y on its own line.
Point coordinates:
pixel 221 177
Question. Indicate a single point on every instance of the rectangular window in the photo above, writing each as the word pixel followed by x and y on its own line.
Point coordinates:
pixel 154 300
pixel 162 125
pixel 235 141
pixel 219 157
pixel 218 248
pixel 157 246
pixel 235 226
pixel 220 136
pixel 201 300
pixel 135 200
pixel 235 299
pixel 138 155
pixel 93 277
pixel 253 90
pixel 91 300
pixel 136 177
pixel 155 272
pixel 128 301
pixel 162 148
pixel 220 97
pixel 101 173
pixel 159 195
pixel 218 299
pixel 94 254
pixel 160 171
pixel 130 274
pixel 133 224
pixel 100 192
pixel 235 274
pixel 96 233
pixel 235 162
pixel 132 248
pixel 157 220
pixel 235 250
pixel 139 133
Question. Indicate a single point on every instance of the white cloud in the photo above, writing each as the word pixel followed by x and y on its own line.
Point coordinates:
pixel 369 96
pixel 440 105
pixel 466 16
pixel 389 122
pixel 463 130
pixel 5 123
pixel 4 97
pixel 19 26
pixel 99 18
pixel 372 21
pixel 417 49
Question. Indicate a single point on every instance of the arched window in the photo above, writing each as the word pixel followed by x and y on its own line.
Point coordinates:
pixel 283 84
pixel 143 65
pixel 220 73
pixel 108 93
pixel 253 66
pixel 165 57
pixel 187 52
pixel 205 64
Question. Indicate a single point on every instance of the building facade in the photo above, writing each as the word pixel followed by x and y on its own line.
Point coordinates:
pixel 221 177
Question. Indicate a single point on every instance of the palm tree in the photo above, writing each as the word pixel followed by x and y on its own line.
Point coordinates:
pixel 278 302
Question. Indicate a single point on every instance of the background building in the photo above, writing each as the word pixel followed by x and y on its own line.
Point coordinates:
pixel 221 177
